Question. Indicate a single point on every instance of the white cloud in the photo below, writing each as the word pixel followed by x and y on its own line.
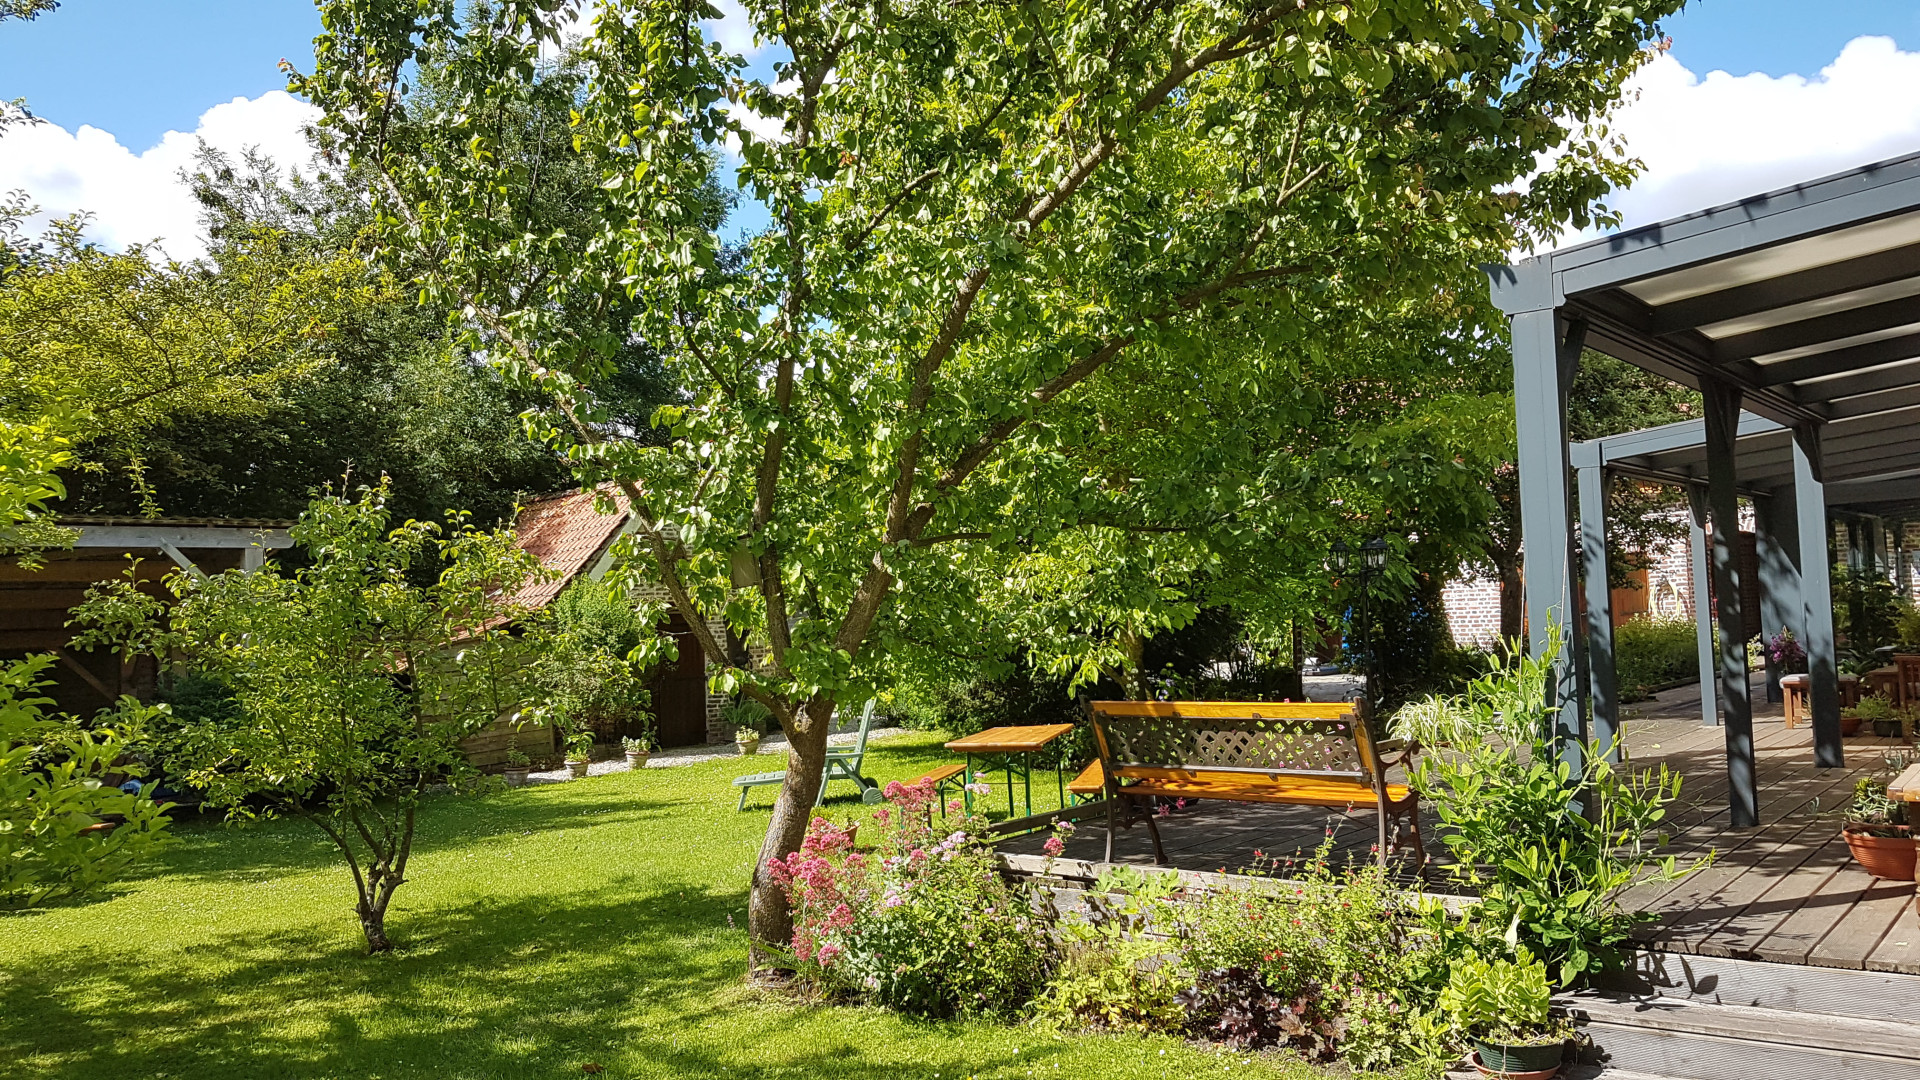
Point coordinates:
pixel 733 30
pixel 1713 140
pixel 139 197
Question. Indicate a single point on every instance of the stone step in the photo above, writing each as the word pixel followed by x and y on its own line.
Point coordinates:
pixel 1692 1039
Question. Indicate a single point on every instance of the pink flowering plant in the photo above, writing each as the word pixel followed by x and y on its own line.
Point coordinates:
pixel 921 922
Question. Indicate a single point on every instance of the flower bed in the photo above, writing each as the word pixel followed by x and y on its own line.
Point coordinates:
pixel 1332 963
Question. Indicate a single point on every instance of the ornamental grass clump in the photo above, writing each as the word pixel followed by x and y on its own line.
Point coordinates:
pixel 921 921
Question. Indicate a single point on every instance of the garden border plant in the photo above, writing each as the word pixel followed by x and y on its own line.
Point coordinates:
pixel 1548 852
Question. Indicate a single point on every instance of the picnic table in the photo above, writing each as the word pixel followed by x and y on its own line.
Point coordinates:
pixel 1010 744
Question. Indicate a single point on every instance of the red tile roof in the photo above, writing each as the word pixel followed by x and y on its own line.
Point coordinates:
pixel 567 535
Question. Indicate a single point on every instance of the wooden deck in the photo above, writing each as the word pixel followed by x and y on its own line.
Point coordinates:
pixel 1785 892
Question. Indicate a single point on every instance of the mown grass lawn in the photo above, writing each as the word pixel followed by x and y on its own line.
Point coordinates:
pixel 598 922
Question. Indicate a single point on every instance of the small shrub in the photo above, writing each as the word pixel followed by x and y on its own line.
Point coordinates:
pixel 1550 873
pixel 1119 971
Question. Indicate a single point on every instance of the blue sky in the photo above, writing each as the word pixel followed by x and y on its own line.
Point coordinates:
pixel 137 69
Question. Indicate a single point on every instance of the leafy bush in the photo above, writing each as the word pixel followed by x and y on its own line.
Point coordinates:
pixel 63 832
pixel 1340 948
pixel 1115 972
pixel 596 644
pixel 1650 653
pixel 1510 809
pixel 924 924
pixel 1867 611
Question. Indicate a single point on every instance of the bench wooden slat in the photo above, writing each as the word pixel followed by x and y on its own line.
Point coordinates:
pixel 944 772
pixel 1230 710
pixel 1213 784
pixel 1906 787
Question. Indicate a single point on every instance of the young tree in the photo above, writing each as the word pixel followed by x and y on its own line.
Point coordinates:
pixel 986 220
pixel 354 685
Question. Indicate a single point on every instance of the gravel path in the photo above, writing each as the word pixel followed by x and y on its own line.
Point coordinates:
pixel 609 759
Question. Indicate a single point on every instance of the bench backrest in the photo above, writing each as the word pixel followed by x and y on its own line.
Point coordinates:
pixel 1292 738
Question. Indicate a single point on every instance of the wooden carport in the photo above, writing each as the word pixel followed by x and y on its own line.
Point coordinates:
pixel 35 604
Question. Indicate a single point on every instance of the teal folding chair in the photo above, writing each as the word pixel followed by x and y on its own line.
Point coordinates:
pixel 842 764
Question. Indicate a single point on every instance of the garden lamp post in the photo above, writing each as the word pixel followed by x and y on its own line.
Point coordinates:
pixel 1369 561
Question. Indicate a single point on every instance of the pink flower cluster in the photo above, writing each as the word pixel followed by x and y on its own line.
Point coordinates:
pixel 826 883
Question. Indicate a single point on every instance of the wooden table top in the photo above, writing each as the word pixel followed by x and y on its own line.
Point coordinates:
pixel 1009 740
pixel 1907 787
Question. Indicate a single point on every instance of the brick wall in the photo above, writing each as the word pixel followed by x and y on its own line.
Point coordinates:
pixel 1473 604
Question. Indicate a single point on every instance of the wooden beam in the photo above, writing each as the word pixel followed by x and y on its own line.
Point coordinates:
pixel 80 669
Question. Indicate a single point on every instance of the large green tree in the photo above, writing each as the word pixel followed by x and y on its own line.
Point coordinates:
pixel 985 219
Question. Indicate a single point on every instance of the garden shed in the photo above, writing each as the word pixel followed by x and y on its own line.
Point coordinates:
pixel 573 534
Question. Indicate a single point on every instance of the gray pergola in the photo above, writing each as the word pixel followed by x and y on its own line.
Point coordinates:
pixel 1802 307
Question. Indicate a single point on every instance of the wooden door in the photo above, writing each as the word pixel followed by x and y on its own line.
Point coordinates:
pixel 680 691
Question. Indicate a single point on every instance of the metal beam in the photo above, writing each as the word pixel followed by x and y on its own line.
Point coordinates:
pixel 1834 326
pixel 1821 206
pixel 1602 689
pixel 1819 365
pixel 1546 528
pixel 1818 283
pixel 1702 601
pixel 1722 408
pixel 1816 593
pixel 1891 376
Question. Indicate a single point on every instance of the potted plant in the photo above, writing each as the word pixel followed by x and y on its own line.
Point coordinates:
pixel 579 753
pixel 747 740
pixel 1877 832
pixel 1505 1009
pixel 518 766
pixel 1875 709
pixel 638 749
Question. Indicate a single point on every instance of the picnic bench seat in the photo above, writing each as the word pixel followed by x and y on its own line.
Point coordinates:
pixel 1090 783
pixel 1300 754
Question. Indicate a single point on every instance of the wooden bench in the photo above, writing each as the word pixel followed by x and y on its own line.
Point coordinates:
pixel 942 778
pixel 1297 754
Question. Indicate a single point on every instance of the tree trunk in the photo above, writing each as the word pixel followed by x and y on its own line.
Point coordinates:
pixel 373 921
pixel 769 918
pixel 1510 596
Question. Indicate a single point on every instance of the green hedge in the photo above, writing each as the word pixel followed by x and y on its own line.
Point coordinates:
pixel 1650 653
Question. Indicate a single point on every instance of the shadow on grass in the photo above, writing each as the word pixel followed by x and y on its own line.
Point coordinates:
pixel 538 987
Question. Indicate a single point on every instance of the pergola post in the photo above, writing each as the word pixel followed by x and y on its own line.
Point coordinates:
pixel 1722 408
pixel 1702 602
pixel 1816 595
pixel 1777 543
pixel 1542 368
pixel 1602 690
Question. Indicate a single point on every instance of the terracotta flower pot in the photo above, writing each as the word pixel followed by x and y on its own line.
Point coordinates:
pixel 748 749
pixel 1889 857
pixel 637 759
pixel 1849 725
pixel 578 768
pixel 517 775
